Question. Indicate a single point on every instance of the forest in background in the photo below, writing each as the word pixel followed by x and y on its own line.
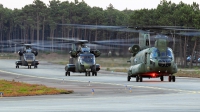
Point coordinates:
pixel 38 21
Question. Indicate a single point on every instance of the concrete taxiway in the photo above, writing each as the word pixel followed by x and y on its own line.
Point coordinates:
pixel 111 91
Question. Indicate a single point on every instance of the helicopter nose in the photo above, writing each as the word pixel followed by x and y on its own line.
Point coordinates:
pixel 29 62
pixel 86 66
pixel 164 63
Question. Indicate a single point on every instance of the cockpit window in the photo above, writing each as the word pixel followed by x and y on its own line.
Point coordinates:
pixel 29 56
pixel 87 59
pixel 28 51
pixel 85 49
pixel 157 54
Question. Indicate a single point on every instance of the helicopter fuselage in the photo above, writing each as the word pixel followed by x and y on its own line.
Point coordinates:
pixel 151 63
pixel 27 59
pixel 84 62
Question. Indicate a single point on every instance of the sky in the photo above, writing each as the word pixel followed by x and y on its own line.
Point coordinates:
pixel 118 4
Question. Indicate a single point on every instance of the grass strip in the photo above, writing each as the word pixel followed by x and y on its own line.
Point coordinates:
pixel 14 89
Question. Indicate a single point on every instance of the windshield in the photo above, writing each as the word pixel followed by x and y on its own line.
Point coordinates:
pixel 85 49
pixel 90 59
pixel 29 56
pixel 157 54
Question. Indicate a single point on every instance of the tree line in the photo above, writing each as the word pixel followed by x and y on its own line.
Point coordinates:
pixel 39 21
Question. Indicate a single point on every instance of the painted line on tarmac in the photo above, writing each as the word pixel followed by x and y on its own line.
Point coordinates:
pixel 18 74
pixel 133 86
pixel 89 97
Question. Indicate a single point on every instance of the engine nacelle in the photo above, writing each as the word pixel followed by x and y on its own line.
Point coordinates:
pixel 35 53
pixel 73 54
pixel 96 53
pixel 97 67
pixel 20 53
pixel 134 49
pixel 70 68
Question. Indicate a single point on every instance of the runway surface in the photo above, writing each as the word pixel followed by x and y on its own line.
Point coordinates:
pixel 111 91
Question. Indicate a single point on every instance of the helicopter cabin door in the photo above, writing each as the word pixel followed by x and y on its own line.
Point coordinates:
pixel 147 61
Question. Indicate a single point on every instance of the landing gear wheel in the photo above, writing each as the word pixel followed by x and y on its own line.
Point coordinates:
pixel 137 78
pixel 128 78
pixel 162 78
pixel 170 78
pixel 35 66
pixel 67 73
pixel 17 66
pixel 95 74
pixel 173 78
pixel 141 78
pixel 87 73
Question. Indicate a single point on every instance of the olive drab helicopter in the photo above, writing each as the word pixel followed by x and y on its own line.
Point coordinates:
pixel 82 58
pixel 151 62
pixel 147 60
pixel 27 57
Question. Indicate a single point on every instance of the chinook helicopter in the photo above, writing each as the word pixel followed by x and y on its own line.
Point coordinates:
pixel 151 62
pixel 82 58
pixel 27 57
pixel 154 61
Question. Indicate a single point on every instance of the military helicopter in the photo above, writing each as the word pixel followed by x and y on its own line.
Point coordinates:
pixel 147 61
pixel 26 53
pixel 27 57
pixel 82 58
pixel 151 62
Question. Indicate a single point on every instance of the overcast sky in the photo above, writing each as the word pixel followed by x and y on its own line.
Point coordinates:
pixel 118 4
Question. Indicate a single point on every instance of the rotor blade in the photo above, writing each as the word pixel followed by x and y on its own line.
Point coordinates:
pixel 189 33
pixel 103 27
pixel 94 46
pixel 160 27
pixel 70 39
pixel 116 41
pixel 94 26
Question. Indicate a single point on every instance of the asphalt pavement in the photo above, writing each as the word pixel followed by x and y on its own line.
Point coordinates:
pixel 109 91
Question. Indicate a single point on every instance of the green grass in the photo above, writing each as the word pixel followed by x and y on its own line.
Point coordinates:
pixel 13 89
pixel 121 70
pixel 190 73
pixel 112 62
